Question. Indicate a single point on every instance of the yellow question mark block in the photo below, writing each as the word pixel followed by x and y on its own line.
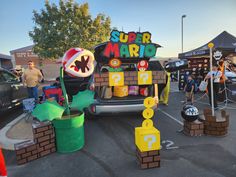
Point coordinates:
pixel 147 137
pixel 116 78
pixel 144 77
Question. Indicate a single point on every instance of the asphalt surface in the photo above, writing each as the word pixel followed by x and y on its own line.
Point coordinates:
pixel 110 150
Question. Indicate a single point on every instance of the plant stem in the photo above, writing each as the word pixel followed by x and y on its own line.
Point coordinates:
pixel 64 91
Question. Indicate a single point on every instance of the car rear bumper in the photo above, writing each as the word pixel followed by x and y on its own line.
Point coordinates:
pixel 97 109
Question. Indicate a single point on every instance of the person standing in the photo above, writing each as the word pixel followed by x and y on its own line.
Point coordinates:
pixel 189 89
pixel 31 78
pixel 216 75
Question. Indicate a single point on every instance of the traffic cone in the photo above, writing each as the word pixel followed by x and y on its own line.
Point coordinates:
pixel 3 169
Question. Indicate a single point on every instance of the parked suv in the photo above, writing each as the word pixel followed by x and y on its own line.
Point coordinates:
pixel 12 91
pixel 130 103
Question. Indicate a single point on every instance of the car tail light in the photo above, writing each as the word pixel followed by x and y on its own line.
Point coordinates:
pixel 93 108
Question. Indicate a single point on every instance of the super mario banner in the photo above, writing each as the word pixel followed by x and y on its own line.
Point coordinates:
pixel 130 45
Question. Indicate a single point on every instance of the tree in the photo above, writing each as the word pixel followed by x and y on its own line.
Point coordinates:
pixel 58 28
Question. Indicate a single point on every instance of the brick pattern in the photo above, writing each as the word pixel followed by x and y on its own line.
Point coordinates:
pixel 131 78
pixel 42 145
pixel 148 159
pixel 195 128
pixel 214 126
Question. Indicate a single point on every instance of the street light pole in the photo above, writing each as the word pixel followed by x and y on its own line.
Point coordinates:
pixel 182 32
pixel 182 38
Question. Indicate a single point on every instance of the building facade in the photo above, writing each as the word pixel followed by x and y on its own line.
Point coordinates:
pixel 21 56
pixel 6 62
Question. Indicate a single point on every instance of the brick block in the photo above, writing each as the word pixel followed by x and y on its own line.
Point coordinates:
pixel 34 152
pixel 104 75
pixel 44 153
pixel 156 152
pixel 141 154
pixel 33 157
pixel 154 73
pixel 155 81
pixel 44 138
pixel 20 162
pixel 104 84
pixel 21 151
pixel 133 82
pixel 133 73
pixel 42 129
pixel 97 84
pixel 155 77
pixel 50 146
pixel 129 78
pixel 195 127
pixel 156 158
pixel 42 144
pixel 96 75
pixel 53 149
pixel 31 148
pixel 198 132
pixel 40 149
pixel 38 135
pixel 48 132
pixel 153 164
pixel 147 159
pixel 27 154
pixel 99 79
pixel 126 82
pixel 126 74
pixel 144 165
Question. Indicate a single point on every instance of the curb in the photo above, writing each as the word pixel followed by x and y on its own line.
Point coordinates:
pixel 6 142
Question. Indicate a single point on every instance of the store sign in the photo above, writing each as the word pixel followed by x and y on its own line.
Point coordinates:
pixel 217 55
pixel 130 45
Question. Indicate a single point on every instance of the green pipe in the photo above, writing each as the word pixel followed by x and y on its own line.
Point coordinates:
pixel 64 91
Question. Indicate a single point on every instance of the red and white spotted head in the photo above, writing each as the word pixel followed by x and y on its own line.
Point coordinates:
pixel 78 62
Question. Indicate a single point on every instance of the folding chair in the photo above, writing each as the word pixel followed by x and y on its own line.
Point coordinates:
pixel 28 107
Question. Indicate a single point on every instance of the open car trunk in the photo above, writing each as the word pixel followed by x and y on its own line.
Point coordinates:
pixel 107 94
pixel 125 93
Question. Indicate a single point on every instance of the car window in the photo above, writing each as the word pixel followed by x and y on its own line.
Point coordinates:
pixel 9 77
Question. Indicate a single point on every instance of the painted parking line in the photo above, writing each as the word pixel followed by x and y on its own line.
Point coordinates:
pixel 171 117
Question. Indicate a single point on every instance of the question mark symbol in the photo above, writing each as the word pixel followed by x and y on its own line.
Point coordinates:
pixel 151 139
pixel 116 78
pixel 144 77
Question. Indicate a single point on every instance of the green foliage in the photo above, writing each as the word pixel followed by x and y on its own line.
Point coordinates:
pixel 58 28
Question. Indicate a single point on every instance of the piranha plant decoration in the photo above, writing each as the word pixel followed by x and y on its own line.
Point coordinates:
pixel 77 62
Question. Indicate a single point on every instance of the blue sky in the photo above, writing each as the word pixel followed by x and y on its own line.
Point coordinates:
pixel 205 20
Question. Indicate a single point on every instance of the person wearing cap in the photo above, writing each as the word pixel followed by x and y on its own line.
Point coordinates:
pixel 31 78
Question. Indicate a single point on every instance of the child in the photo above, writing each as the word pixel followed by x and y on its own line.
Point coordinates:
pixel 189 89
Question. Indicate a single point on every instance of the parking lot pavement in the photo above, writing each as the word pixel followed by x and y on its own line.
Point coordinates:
pixel 110 150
